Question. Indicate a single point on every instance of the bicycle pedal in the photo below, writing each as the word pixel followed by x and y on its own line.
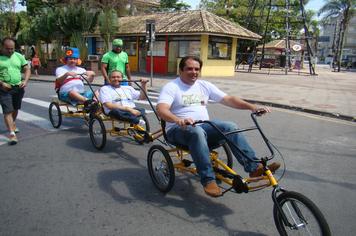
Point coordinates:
pixel 138 128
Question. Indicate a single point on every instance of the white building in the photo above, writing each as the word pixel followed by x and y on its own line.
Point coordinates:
pixel 327 38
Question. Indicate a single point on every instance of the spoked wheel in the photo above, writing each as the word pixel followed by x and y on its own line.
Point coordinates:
pixel 141 135
pixel 303 216
pixel 160 167
pixel 55 115
pixel 97 132
pixel 225 154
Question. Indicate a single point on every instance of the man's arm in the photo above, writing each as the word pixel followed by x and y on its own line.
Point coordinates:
pixel 111 106
pixel 238 103
pixel 27 73
pixel 144 87
pixel 104 72
pixel 128 73
pixel 164 112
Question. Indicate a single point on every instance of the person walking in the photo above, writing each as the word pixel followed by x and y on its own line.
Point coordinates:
pixel 116 59
pixel 12 87
pixel 35 63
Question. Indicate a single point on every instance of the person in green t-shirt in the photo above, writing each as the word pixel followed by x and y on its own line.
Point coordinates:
pixel 116 59
pixel 11 85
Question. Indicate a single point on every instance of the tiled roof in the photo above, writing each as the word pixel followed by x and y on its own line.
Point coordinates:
pixel 279 44
pixel 185 22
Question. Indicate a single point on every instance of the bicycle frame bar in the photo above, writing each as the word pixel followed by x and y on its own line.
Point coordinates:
pixel 89 84
pixel 224 135
pixel 148 99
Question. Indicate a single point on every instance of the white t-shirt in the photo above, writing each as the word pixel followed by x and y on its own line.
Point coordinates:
pixel 189 101
pixel 124 96
pixel 76 84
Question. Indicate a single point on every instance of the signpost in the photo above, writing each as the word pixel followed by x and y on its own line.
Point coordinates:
pixel 150 38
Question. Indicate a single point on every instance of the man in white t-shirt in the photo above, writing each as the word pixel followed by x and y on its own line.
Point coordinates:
pixel 183 101
pixel 118 100
pixel 71 87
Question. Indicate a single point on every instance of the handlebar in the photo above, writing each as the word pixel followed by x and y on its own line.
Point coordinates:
pixel 257 126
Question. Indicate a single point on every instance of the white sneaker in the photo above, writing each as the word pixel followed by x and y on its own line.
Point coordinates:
pixel 142 123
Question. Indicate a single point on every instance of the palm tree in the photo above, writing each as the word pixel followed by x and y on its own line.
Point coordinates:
pixel 344 10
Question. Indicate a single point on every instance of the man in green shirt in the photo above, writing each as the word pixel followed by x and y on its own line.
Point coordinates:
pixel 116 59
pixel 11 85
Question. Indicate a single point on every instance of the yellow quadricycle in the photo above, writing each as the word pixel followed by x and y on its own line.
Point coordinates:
pixel 293 212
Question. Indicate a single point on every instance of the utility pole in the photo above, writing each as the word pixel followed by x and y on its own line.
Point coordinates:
pixel 287 43
pixel 150 38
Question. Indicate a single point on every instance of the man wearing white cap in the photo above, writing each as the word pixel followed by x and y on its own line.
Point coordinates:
pixel 116 59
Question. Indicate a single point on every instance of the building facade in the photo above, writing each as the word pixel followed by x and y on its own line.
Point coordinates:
pixel 328 38
pixel 178 34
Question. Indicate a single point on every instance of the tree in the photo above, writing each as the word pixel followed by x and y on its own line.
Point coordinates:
pixel 74 21
pixel 173 5
pixel 108 25
pixel 343 10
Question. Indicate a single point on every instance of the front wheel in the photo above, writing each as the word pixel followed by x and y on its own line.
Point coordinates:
pixel 55 115
pixel 97 132
pixel 160 167
pixel 224 154
pixel 303 216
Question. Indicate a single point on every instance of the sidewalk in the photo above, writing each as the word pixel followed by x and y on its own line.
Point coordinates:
pixel 329 93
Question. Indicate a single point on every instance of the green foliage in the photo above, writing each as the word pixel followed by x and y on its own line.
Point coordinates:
pixel 74 21
pixel 76 18
pixel 252 14
pixel 108 25
pixel 173 5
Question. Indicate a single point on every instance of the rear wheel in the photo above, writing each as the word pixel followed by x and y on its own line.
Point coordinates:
pixel 304 217
pixel 55 115
pixel 97 132
pixel 160 168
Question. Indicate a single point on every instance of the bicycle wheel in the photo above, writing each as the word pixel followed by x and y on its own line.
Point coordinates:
pixel 97 132
pixel 303 215
pixel 160 168
pixel 55 115
pixel 225 154
pixel 140 136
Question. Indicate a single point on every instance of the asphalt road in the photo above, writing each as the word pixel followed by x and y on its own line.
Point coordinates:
pixel 53 182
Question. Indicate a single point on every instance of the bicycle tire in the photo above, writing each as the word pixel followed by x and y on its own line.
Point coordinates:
pixel 227 158
pixel 56 123
pixel 291 204
pixel 95 133
pixel 162 174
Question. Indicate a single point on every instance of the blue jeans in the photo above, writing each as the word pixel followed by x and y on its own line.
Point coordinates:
pixel 126 115
pixel 198 139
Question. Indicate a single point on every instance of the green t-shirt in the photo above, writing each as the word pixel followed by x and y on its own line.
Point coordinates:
pixel 10 68
pixel 116 61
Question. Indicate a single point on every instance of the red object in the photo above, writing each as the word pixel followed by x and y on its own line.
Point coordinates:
pixel 160 65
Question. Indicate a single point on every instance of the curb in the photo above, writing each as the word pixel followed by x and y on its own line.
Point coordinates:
pixel 306 110
pixel 271 104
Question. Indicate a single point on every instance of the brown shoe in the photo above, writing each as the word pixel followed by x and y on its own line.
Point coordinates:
pixel 212 189
pixel 259 171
